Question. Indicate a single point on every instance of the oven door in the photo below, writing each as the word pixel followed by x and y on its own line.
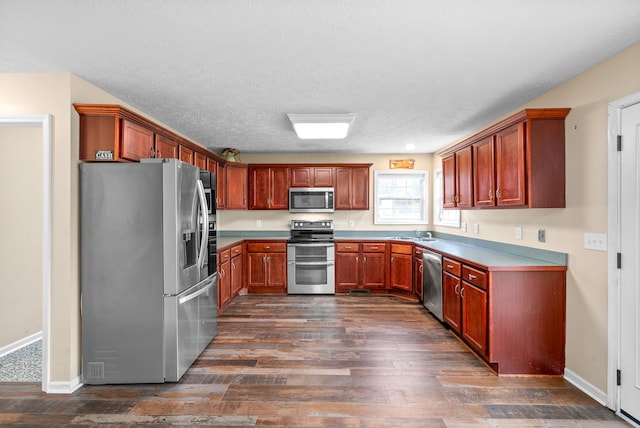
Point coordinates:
pixel 311 268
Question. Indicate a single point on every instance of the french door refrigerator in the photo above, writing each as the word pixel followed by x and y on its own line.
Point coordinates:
pixel 148 303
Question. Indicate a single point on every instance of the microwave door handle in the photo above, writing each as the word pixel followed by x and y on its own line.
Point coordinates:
pixel 204 221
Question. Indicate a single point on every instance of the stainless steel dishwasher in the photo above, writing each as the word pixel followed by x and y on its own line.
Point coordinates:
pixel 432 282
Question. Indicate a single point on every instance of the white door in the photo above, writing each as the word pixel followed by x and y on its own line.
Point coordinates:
pixel 630 266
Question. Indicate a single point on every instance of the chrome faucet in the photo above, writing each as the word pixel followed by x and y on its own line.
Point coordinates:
pixel 429 235
pixel 416 233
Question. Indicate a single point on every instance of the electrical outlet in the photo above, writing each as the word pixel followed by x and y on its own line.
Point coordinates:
pixel 463 226
pixel 351 223
pixel 258 223
pixel 542 235
pixel 518 232
pixel 476 228
pixel 595 241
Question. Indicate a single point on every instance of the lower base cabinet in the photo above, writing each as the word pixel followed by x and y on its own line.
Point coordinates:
pixel 267 267
pixel 401 270
pixel 360 266
pixel 513 319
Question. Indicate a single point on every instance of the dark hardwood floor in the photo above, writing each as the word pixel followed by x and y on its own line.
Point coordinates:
pixel 321 361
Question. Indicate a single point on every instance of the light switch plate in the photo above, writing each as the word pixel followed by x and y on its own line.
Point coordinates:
pixel 595 241
pixel 518 232
pixel 463 226
pixel 476 228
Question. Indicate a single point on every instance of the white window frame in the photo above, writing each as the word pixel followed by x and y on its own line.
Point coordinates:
pixel 423 175
pixel 442 217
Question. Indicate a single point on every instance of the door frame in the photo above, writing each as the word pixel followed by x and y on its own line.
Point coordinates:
pixel 42 121
pixel 614 113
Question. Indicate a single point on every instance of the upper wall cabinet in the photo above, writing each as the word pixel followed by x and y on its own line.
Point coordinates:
pixel 110 132
pixel 268 187
pixel 518 162
pixel 312 176
pixel 352 188
pixel 458 179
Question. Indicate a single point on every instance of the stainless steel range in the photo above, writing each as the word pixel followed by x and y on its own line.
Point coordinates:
pixel 311 258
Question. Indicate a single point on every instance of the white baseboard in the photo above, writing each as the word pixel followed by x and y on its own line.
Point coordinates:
pixel 586 387
pixel 63 387
pixel 12 347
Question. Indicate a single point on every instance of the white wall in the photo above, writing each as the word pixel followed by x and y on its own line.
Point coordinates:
pixel 20 234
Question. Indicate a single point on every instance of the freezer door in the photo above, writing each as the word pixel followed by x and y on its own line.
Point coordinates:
pixel 190 324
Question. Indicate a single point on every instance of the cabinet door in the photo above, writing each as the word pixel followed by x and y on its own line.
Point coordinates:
pixel 451 310
pixel 137 141
pixel 186 154
pixel 474 316
pixel 342 193
pixel 360 189
pixel 212 167
pixel 236 187
pixel 301 176
pixel 200 160
pixel 464 178
pixel 418 276
pixel 276 269
pixel 221 186
pixel 224 284
pixel 402 271
pixel 236 275
pixel 166 148
pixel 256 272
pixel 279 181
pixel 510 166
pixel 347 271
pixel 483 173
pixel 449 182
pixel 373 269
pixel 259 187
pixel 323 177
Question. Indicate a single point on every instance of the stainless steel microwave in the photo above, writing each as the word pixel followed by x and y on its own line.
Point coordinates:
pixel 311 199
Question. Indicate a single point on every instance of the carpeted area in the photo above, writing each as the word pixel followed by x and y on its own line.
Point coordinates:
pixel 23 365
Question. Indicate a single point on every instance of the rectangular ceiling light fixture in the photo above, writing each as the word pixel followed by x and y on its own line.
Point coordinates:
pixel 321 126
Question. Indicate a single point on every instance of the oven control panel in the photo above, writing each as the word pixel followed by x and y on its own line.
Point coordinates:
pixel 311 225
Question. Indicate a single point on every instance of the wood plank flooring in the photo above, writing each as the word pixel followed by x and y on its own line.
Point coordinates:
pixel 321 361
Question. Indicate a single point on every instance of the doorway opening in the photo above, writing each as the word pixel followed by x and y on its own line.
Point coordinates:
pixel 41 254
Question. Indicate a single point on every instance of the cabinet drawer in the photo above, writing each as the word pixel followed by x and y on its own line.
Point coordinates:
pixel 402 249
pixel 236 250
pixel 267 247
pixel 223 256
pixel 475 276
pixel 451 266
pixel 347 247
pixel 374 248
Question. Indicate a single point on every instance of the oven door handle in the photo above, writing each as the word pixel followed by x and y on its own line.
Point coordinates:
pixel 293 262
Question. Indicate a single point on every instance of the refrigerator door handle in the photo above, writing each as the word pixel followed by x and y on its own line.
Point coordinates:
pixel 204 223
pixel 185 299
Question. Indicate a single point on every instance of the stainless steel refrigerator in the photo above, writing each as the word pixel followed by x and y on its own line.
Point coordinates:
pixel 148 303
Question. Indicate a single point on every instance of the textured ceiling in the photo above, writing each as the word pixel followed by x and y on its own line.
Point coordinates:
pixel 226 73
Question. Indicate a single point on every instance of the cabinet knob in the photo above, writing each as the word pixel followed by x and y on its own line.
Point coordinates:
pixel 472 276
